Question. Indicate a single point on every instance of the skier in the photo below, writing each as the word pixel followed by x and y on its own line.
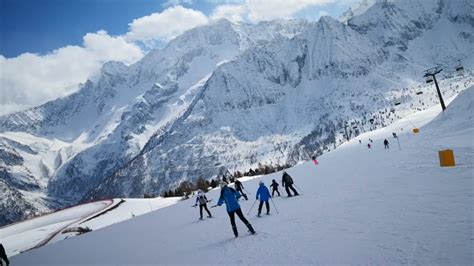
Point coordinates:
pixel 3 256
pixel 287 182
pixel 264 196
pixel 240 188
pixel 229 196
pixel 368 145
pixel 385 143
pixel 315 160
pixel 202 200
pixel 274 187
pixel 360 141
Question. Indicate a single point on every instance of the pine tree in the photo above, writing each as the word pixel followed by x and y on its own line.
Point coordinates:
pixel 251 172
pixel 201 184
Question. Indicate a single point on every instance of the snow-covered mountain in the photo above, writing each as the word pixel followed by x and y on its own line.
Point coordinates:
pixel 227 97
pixel 384 206
pixel 89 134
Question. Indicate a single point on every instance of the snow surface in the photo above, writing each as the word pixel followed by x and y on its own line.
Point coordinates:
pixel 227 96
pixel 358 206
pixel 47 229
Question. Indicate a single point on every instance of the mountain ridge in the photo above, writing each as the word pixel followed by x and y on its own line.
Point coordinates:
pixel 228 96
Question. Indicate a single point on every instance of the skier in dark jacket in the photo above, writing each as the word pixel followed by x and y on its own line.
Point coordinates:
pixel 3 256
pixel 202 200
pixel 274 187
pixel 230 197
pixel 264 195
pixel 240 188
pixel 287 182
pixel 385 143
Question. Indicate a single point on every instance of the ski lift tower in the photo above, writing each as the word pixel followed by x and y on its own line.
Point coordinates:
pixel 430 74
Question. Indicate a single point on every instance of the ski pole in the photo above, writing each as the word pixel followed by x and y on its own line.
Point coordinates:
pixel 247 192
pixel 251 207
pixel 274 205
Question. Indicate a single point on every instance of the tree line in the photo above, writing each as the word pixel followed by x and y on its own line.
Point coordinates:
pixel 187 188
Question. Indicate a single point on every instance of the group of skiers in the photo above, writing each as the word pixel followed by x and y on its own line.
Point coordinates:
pixel 230 197
pixel 385 143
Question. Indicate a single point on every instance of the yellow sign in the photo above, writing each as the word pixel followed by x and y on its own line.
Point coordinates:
pixel 446 158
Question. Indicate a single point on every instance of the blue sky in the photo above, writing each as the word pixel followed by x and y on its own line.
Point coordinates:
pixel 40 26
pixel 49 47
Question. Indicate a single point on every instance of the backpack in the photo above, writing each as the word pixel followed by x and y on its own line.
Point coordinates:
pixel 202 199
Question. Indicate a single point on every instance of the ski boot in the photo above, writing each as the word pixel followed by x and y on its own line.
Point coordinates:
pixel 249 226
pixel 236 233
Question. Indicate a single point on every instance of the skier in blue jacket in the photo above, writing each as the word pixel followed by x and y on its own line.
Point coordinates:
pixel 230 197
pixel 264 196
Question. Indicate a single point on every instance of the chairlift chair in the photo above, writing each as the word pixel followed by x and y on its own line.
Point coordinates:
pixel 459 67
pixel 429 79
pixel 397 103
pixel 418 93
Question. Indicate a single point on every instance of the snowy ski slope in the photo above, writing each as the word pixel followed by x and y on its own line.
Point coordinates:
pixel 51 228
pixel 359 206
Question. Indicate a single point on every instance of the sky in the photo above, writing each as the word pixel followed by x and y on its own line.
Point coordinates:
pixel 48 47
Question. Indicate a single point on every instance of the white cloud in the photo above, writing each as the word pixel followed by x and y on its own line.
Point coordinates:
pixel 106 47
pixel 30 79
pixel 165 25
pixel 272 9
pixel 234 13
